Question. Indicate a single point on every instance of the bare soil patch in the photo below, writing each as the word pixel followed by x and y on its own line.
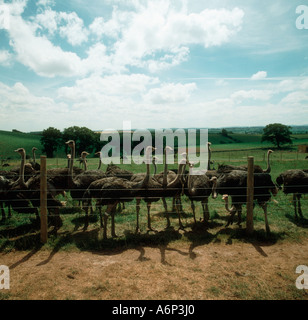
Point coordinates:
pixel 175 271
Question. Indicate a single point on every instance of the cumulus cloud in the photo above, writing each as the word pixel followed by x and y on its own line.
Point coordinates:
pixel 161 28
pixel 5 58
pixel 19 107
pixel 170 93
pixel 259 75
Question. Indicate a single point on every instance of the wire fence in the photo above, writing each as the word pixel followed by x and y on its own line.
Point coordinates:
pixel 26 201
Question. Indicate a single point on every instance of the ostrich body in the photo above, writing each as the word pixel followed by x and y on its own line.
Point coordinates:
pixel 199 188
pixel 4 187
pixel 257 169
pixel 22 194
pixel 294 181
pixel 112 190
pixel 80 182
pixel 115 171
pixel 234 184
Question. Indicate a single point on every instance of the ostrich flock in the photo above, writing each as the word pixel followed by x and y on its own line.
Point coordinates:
pixel 20 188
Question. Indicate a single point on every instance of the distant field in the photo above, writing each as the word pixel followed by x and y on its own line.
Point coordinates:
pixel 242 142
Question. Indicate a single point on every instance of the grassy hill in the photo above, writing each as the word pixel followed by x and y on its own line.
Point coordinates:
pixel 9 141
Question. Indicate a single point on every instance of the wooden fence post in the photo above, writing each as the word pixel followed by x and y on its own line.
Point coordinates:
pixel 250 194
pixel 43 199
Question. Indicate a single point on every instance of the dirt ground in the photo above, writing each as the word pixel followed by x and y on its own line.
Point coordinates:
pixel 210 271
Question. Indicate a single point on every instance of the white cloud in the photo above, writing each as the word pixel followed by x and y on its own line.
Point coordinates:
pixel 295 98
pixel 170 93
pixel 48 20
pixel 73 29
pixel 5 58
pixel 19 108
pixel 261 75
pixel 160 28
pixel 262 95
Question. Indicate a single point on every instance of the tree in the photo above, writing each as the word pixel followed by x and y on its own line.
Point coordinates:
pixel 51 140
pixel 85 139
pixel 224 133
pixel 277 134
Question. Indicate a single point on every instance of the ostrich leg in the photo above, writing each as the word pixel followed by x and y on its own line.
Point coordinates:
pixel 192 205
pixel 206 214
pixel 177 201
pixel 264 207
pixel 299 205
pixel 149 217
pixel 113 210
pixel 2 211
pixel 138 200
pixel 167 213
pixel 239 214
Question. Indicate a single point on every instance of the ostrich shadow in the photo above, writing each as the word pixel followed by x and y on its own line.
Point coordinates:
pixel 159 240
pixel 299 222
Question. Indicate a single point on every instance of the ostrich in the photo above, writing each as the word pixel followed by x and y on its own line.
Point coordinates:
pixel 234 184
pixel 115 171
pixel 257 169
pixel 24 197
pixel 199 188
pixel 112 190
pixel 34 164
pixel 294 181
pixel 4 187
pixel 164 178
pixel 17 195
pixel 80 182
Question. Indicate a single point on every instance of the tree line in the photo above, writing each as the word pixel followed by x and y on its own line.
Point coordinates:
pixel 87 140
pixel 53 139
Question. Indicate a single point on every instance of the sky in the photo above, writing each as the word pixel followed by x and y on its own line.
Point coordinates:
pixel 153 63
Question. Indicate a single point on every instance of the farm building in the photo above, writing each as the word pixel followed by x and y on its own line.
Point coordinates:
pixel 303 148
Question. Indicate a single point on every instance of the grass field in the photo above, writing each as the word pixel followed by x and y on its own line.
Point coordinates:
pixel 20 233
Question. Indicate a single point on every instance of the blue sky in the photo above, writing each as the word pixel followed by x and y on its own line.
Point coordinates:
pixel 158 64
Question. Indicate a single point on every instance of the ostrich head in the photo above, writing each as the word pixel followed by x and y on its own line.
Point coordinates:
pixel 34 149
pixel 21 151
pixel 84 154
pixel 225 197
pixel 70 143
pixel 155 159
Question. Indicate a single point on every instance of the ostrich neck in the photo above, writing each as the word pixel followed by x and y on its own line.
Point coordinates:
pixel 99 163
pixel 227 205
pixel 145 181
pixel 71 164
pixel 209 158
pixel 165 169
pixel 22 170
pixel 268 169
pixel 85 164
pixel 155 167
pixel 175 182
pixel 33 155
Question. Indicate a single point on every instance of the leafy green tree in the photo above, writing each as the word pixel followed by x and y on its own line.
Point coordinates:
pixel 51 140
pixel 277 133
pixel 85 139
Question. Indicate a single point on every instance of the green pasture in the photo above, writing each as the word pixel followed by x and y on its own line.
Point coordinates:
pixel 20 232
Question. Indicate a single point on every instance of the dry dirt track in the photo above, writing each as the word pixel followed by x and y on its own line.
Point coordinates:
pixel 211 271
